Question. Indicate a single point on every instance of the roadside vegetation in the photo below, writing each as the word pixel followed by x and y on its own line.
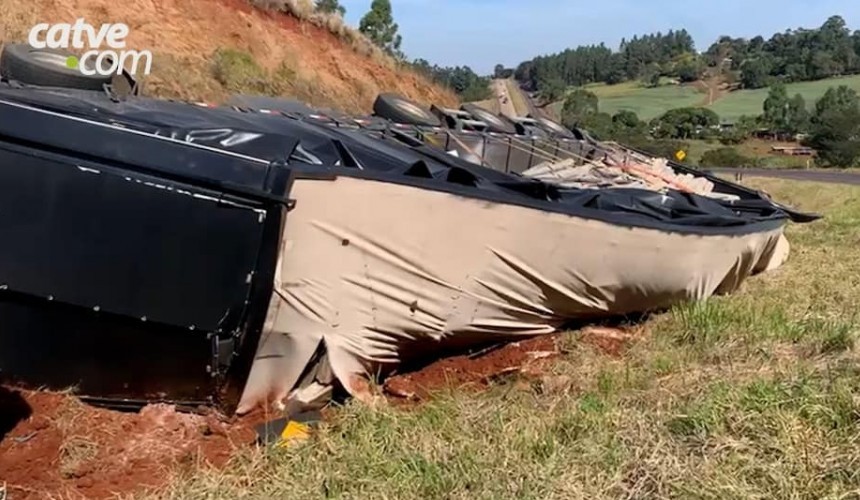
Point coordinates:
pixel 831 128
pixel 748 396
pixel 799 86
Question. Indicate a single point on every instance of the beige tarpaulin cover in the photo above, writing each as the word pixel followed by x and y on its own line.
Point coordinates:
pixel 372 274
pixel 613 172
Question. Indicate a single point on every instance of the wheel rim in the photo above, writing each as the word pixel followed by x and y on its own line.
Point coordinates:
pixel 412 109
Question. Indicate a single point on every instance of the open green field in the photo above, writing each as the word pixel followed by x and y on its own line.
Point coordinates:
pixel 755 395
pixel 749 102
pixel 651 103
pixel 645 102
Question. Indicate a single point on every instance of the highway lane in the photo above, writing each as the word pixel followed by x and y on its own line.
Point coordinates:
pixel 833 177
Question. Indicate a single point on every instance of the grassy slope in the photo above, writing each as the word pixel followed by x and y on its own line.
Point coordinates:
pixel 645 102
pixel 748 396
pixel 209 49
pixel 749 102
pixel 650 103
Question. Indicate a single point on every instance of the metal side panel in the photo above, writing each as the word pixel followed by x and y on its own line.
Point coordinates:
pixel 497 153
pixel 58 346
pixel 120 243
pixel 120 285
pixel 521 155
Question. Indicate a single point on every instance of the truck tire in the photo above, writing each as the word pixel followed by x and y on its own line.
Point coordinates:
pixel 494 121
pixel 553 127
pixel 46 67
pixel 400 110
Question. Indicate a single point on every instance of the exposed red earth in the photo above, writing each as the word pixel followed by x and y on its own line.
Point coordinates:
pixel 53 445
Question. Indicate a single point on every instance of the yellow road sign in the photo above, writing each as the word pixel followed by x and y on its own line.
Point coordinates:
pixel 680 155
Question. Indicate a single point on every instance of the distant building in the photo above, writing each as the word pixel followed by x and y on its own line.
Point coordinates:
pixel 793 150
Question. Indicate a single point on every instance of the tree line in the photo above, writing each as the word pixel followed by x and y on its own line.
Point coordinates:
pixel 795 55
pixel 831 127
pixel 379 27
pixel 670 54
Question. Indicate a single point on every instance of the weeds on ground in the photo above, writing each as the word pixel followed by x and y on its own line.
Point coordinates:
pixel 239 73
pixel 333 23
pixel 756 395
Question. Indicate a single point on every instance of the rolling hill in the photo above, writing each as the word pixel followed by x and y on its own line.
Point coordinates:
pixel 650 103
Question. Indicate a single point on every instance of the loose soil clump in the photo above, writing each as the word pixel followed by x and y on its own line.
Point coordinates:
pixel 54 445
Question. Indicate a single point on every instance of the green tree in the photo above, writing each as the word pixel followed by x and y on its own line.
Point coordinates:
pixel 379 26
pixel 775 108
pixel 330 7
pixel 755 73
pixel 577 105
pixel 783 115
pixel 598 124
pixel 651 75
pixel 742 130
pixel 835 129
pixel 725 157
pixel 500 71
pixel 685 123
pixel 552 91
pixel 798 115
pixel 690 71
pixel 626 124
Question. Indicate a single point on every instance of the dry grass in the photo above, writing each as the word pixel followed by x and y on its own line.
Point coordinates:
pixel 332 22
pixel 75 449
pixel 756 395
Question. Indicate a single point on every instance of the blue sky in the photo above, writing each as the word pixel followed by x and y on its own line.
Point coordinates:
pixel 482 33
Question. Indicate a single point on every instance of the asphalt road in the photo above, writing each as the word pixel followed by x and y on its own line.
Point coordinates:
pixel 506 104
pixel 799 175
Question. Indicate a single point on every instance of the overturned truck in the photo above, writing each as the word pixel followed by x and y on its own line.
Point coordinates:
pixel 161 251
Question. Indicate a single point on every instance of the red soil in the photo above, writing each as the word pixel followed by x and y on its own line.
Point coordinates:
pixel 53 445
pixel 476 372
pixel 528 358
pixel 183 35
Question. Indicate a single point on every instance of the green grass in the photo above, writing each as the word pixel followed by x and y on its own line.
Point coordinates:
pixel 651 103
pixel 648 103
pixel 750 102
pixel 754 395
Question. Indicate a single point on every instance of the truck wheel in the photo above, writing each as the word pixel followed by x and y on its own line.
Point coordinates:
pixel 400 110
pixel 46 67
pixel 495 122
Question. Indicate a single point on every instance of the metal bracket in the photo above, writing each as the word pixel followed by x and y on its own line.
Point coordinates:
pixel 223 350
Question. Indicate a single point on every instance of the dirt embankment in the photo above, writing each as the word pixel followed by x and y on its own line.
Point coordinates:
pixel 54 446
pixel 270 52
